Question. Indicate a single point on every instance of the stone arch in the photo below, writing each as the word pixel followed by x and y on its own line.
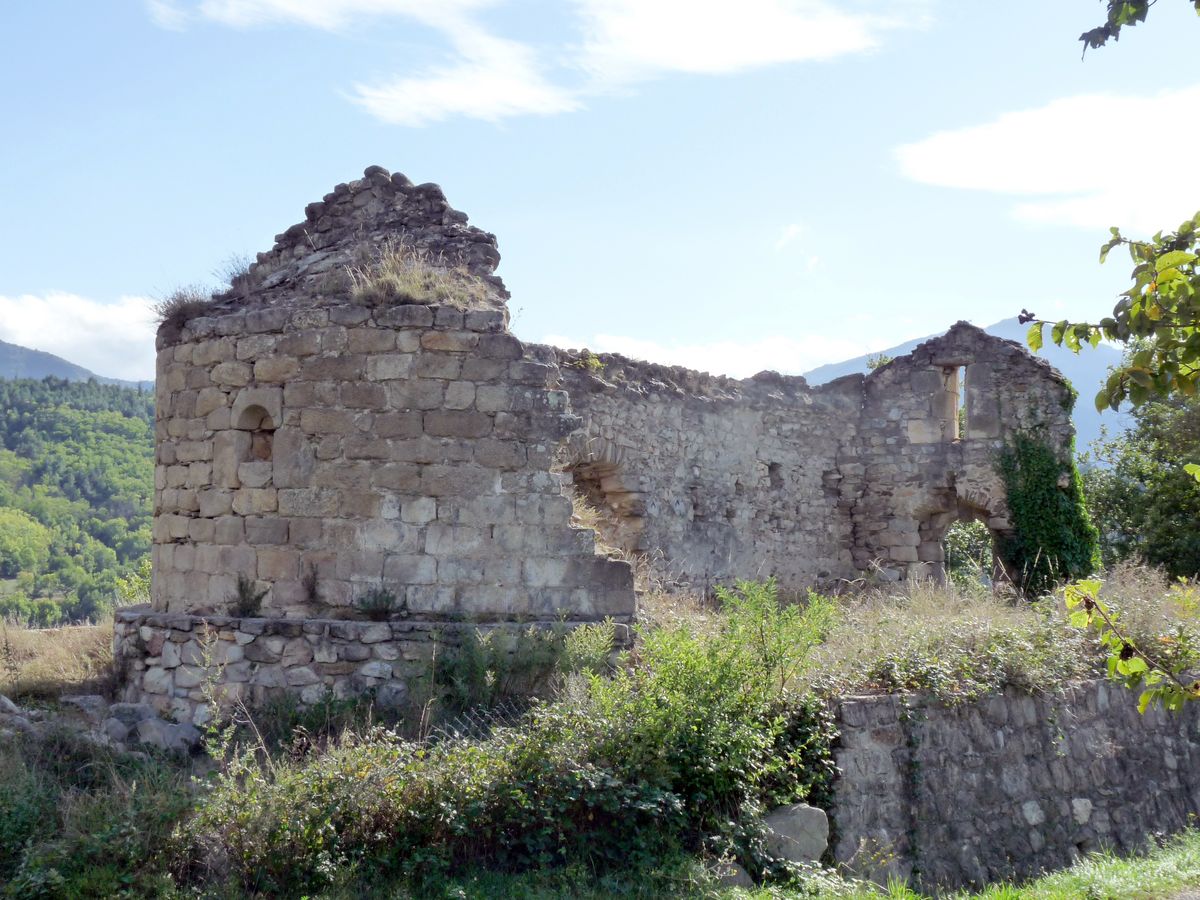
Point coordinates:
pixel 601 480
pixel 965 506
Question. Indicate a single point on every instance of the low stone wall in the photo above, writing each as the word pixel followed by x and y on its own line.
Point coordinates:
pixel 165 659
pixel 1009 786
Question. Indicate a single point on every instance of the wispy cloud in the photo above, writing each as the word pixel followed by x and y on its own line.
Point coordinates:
pixel 1078 161
pixel 632 40
pixel 325 14
pixel 789 234
pixel 491 79
pixel 617 43
pixel 112 339
pixel 740 359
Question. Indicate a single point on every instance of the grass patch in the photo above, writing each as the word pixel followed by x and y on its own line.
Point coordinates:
pixel 399 272
pixel 181 306
pixel 38 663
pixel 956 646
pixel 81 820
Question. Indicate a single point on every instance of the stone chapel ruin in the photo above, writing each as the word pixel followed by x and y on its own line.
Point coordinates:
pixel 318 446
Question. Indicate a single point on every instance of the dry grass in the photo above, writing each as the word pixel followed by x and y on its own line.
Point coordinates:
pixel 957 646
pixel 401 273
pixel 45 663
pixel 181 306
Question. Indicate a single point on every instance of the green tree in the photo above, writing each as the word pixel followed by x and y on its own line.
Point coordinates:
pixel 1158 318
pixel 1143 501
pixel 24 543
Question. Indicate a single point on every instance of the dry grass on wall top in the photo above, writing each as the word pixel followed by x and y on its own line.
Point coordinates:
pixel 398 273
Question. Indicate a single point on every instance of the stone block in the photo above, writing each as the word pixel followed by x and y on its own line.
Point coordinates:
pixel 457 423
pixel 452 341
pixel 797 833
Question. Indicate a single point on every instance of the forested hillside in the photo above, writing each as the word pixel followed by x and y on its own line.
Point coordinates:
pixel 76 485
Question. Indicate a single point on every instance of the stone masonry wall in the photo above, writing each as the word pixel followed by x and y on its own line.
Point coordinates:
pixel 916 470
pixel 716 478
pixel 317 445
pixel 1009 786
pixel 406 447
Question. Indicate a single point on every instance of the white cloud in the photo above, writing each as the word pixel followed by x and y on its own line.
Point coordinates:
pixel 630 40
pixel 491 77
pixel 1085 161
pixel 167 14
pixel 740 359
pixel 325 14
pixel 111 339
pixel 789 234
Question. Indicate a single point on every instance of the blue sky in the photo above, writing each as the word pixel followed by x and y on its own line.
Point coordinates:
pixel 730 186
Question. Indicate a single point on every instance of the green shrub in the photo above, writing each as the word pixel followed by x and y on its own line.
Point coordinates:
pixel 1053 540
pixel 681 748
pixel 494 667
pixel 81 820
pixel 379 603
pixel 247 598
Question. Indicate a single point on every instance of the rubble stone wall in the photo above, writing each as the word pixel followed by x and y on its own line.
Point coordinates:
pixel 1008 786
pixel 716 478
pixel 721 478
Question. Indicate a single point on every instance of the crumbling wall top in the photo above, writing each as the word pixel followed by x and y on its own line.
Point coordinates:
pixel 352 223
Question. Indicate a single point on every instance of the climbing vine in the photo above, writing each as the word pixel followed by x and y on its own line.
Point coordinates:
pixel 1053 540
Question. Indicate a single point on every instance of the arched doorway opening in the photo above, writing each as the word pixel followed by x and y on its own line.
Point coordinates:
pixel 602 500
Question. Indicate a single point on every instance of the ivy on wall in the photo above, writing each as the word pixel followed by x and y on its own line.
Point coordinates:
pixel 1053 538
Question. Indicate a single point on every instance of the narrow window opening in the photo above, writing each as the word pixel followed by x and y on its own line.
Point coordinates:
pixel 261 426
pixel 960 418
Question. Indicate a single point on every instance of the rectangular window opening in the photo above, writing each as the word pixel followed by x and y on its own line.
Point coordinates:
pixel 960 418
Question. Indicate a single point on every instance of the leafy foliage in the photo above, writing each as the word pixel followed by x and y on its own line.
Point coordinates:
pixel 1121 14
pixel 1054 541
pixel 77 461
pixel 492 668
pixel 968 553
pixel 680 748
pixel 1160 313
pixel 1140 493
pixel 1161 673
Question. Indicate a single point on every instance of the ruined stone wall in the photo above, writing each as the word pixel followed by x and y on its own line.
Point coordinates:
pixel 713 477
pixel 316 446
pixel 920 468
pixel 407 448
pixel 1008 786
pixel 721 479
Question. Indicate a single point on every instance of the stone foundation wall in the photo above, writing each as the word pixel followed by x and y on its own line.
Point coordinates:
pixel 1009 786
pixel 165 659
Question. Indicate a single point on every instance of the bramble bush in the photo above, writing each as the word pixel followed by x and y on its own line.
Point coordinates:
pixel 680 748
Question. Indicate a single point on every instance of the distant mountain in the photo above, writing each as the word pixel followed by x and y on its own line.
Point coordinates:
pixel 21 362
pixel 1086 371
